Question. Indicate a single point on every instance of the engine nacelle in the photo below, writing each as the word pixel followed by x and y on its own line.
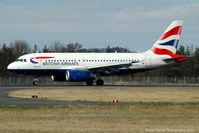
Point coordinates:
pixel 78 75
pixel 58 78
pixel 73 75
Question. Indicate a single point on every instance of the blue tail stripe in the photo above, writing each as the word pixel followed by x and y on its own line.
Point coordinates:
pixel 173 43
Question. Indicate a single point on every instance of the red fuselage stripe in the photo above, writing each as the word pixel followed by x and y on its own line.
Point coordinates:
pixel 43 57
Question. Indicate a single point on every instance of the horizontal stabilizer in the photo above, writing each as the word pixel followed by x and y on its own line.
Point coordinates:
pixel 177 59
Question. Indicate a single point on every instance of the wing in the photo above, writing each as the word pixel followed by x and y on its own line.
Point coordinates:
pixel 115 65
pixel 109 69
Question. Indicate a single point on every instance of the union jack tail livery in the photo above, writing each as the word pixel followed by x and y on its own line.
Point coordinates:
pixel 168 42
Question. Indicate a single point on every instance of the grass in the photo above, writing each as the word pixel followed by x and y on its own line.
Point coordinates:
pixel 180 94
pixel 153 110
pixel 139 119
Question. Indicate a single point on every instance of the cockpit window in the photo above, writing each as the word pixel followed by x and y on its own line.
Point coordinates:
pixel 21 60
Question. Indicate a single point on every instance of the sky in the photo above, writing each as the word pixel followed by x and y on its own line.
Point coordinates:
pixel 133 24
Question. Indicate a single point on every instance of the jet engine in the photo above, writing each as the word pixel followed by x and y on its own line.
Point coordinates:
pixel 73 75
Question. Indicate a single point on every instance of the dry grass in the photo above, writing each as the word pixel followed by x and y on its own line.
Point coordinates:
pixel 151 115
pixel 139 119
pixel 157 94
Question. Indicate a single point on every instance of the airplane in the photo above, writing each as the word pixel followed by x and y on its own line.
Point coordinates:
pixel 90 67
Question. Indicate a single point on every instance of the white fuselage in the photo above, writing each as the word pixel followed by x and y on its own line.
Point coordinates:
pixel 85 61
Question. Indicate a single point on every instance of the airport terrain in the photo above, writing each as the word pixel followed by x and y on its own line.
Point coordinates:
pixel 89 109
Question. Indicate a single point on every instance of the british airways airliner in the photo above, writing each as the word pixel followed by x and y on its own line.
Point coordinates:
pixel 90 67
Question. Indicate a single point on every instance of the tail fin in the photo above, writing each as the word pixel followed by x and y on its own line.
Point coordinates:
pixel 168 42
pixel 170 38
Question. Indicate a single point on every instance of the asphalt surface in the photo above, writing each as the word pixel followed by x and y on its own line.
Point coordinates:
pixel 5 100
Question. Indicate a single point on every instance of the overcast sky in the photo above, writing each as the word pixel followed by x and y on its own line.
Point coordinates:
pixel 135 24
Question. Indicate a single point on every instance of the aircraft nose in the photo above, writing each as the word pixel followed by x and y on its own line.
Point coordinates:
pixel 10 66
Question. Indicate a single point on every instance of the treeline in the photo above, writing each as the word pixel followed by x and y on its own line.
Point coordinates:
pixel 10 52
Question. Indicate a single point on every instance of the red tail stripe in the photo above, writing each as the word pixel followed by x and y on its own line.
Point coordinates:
pixel 159 51
pixel 177 58
pixel 175 31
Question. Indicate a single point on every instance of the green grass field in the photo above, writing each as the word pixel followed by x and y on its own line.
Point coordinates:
pixel 169 110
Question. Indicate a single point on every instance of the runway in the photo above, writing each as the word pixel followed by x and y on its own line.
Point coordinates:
pixel 5 100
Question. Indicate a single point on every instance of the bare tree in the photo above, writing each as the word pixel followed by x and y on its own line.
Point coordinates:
pixel 57 46
pixel 20 47
pixel 71 47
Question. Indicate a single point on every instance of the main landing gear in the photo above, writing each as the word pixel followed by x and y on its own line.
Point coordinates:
pixel 89 82
pixel 99 82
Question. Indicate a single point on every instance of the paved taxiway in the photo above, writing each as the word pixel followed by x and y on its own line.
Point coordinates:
pixel 5 100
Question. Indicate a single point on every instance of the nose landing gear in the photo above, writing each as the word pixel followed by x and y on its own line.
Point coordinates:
pixel 35 82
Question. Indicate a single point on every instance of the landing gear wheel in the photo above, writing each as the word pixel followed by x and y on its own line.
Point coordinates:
pixel 35 83
pixel 100 82
pixel 89 82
